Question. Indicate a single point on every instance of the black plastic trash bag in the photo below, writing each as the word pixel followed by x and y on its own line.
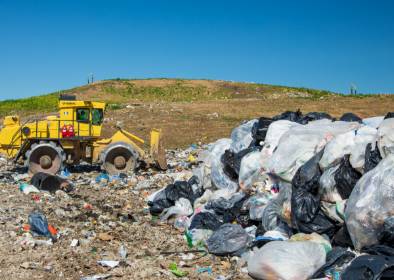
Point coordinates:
pixel 346 177
pixel 228 239
pixel 335 259
pixel 205 220
pixel 350 117
pixel 51 183
pixel 259 130
pixel 290 116
pixel 372 157
pixel 232 162
pixel 386 236
pixel 389 115
pixel 159 203
pixel 370 267
pixel 342 238
pixel 38 224
pixel 190 190
pixel 313 116
pixel 305 200
pixel 306 215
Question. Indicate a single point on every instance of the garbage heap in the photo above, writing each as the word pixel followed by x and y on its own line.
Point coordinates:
pixel 295 196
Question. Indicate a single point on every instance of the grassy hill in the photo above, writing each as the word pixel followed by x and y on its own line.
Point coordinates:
pixel 191 111
pixel 117 91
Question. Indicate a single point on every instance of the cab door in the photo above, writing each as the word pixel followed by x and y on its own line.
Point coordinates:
pixel 82 126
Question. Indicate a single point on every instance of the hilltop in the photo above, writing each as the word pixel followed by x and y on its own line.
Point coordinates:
pixel 190 111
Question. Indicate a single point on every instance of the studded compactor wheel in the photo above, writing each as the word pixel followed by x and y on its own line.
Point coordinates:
pixel 44 157
pixel 119 158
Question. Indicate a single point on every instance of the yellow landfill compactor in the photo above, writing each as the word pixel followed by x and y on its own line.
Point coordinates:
pixel 75 134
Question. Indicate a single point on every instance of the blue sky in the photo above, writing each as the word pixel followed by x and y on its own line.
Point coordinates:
pixel 51 45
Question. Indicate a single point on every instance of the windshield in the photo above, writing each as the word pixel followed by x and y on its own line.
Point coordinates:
pixel 97 116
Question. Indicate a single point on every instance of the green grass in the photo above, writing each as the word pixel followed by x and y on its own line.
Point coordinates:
pixel 43 103
pixel 117 92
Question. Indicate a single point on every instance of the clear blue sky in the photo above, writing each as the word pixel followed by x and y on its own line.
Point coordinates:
pixel 51 45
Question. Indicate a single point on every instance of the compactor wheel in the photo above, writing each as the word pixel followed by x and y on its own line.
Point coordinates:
pixel 119 158
pixel 44 157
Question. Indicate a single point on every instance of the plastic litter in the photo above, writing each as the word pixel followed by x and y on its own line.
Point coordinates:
pixel 219 179
pixel 108 263
pixel 176 271
pixel 205 220
pixel 350 117
pixel 286 260
pixel 386 236
pixel 228 239
pixel 39 224
pixel 51 183
pixel 345 178
pixel 370 203
pixel 328 191
pixel 301 143
pixel 386 137
pixel 306 215
pixel 26 188
pixel 182 207
pixel 250 169
pixel 337 259
pixel 259 130
pixel 97 277
pixel 372 157
pixel 278 209
pixel 289 115
pixel 367 267
pixel 373 121
pixel 241 136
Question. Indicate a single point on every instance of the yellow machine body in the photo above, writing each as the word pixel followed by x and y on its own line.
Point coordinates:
pixel 77 132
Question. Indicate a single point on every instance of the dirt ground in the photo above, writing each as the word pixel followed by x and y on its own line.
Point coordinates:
pixel 186 123
pixel 102 217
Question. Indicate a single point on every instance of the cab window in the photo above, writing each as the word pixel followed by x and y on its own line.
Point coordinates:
pixel 83 115
pixel 97 116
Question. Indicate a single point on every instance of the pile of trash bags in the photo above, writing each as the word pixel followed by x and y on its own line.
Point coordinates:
pixel 296 196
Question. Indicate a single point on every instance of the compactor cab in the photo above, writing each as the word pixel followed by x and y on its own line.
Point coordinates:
pixel 46 145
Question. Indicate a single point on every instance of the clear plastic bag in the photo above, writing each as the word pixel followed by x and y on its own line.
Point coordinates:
pixel 370 203
pixel 218 177
pixel 286 260
pixel 250 169
pixel 328 191
pixel 278 208
pixel 241 136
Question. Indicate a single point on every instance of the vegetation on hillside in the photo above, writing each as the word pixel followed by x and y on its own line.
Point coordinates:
pixel 117 92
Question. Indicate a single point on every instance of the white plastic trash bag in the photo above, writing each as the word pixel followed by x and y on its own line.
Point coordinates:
pixel 286 260
pixel 301 143
pixel 364 136
pixel 373 121
pixel 250 169
pixel 370 203
pixel 274 133
pixel 386 137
